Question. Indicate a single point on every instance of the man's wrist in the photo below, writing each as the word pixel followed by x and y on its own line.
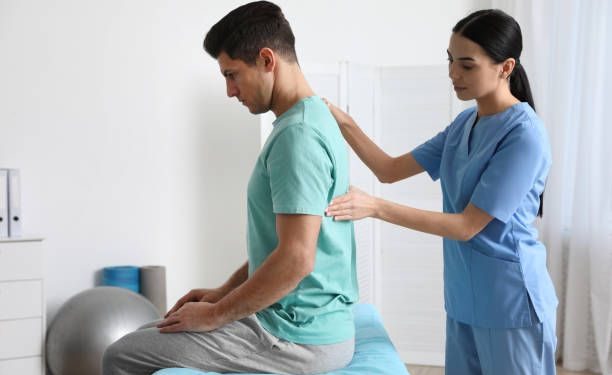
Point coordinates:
pixel 217 315
pixel 223 291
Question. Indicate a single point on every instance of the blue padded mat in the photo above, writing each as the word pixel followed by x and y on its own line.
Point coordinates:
pixel 374 352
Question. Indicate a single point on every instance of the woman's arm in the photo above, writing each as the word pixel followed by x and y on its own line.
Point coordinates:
pixel 460 226
pixel 386 168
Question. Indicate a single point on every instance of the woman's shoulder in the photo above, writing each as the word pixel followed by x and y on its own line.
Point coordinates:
pixel 523 113
pixel 524 120
pixel 526 129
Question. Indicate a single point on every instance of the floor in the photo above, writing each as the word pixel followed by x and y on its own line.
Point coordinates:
pixel 427 370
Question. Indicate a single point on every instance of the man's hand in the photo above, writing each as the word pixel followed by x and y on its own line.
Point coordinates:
pixel 197 295
pixel 192 317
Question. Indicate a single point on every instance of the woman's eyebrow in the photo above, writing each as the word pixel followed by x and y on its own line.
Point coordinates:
pixel 461 58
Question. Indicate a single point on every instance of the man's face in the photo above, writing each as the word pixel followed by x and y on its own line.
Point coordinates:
pixel 250 84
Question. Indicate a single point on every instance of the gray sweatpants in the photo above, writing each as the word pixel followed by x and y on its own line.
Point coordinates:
pixel 241 346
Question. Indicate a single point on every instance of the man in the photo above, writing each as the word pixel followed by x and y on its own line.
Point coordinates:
pixel 288 309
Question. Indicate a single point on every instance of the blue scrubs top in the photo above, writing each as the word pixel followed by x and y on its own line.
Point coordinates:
pixel 498 279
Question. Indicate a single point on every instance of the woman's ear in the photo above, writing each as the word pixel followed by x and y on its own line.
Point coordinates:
pixel 507 67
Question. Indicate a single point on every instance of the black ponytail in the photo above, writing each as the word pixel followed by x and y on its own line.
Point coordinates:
pixel 519 85
pixel 500 37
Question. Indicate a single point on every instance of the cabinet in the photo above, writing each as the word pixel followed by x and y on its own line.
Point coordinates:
pixel 22 306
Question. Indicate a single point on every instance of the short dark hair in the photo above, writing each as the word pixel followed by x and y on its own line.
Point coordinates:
pixel 244 31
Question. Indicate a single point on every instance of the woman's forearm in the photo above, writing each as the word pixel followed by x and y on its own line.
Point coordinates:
pixel 453 226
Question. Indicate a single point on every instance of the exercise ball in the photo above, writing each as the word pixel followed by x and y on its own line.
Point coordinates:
pixel 88 323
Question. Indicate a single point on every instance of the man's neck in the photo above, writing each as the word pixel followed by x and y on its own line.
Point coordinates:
pixel 289 88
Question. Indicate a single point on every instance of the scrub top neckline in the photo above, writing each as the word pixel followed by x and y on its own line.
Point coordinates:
pixel 500 113
pixel 292 108
pixel 484 121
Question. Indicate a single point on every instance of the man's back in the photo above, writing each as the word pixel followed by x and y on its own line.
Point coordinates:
pixel 302 166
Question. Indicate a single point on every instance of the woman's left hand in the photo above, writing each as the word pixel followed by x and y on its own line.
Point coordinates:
pixel 342 118
pixel 353 205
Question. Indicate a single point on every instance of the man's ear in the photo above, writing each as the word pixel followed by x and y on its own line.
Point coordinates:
pixel 267 58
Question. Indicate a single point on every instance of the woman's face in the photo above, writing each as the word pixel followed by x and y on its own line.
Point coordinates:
pixel 473 73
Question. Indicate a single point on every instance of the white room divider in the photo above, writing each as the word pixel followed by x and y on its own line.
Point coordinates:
pixel 399 270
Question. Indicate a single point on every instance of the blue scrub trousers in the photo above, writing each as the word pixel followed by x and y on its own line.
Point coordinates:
pixel 500 351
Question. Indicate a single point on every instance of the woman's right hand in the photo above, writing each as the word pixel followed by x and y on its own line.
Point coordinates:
pixel 354 205
pixel 198 295
pixel 341 117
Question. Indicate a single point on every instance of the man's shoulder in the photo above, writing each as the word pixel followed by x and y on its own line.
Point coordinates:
pixel 309 128
pixel 296 134
pixel 317 114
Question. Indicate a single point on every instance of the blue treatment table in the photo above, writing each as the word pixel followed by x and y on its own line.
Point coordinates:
pixel 374 352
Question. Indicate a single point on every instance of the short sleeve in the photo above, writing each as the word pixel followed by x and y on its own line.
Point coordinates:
pixel 300 171
pixel 429 154
pixel 511 173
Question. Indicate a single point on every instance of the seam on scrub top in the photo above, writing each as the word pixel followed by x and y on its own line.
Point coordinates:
pixel 526 293
pixel 473 296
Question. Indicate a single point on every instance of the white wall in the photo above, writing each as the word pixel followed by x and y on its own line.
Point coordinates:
pixel 129 150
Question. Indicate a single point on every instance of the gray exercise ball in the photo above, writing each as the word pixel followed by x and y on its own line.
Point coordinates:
pixel 88 323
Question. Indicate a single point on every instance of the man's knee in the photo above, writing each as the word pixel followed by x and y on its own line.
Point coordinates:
pixel 112 358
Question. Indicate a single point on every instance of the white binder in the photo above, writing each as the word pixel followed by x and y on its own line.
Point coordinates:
pixel 14 206
pixel 4 218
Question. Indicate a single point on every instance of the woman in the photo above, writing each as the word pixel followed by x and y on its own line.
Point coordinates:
pixel 492 161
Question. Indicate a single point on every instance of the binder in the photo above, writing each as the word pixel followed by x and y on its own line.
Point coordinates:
pixel 4 218
pixel 14 200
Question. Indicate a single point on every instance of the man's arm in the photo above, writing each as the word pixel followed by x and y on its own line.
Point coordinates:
pixel 291 261
pixel 215 294
pixel 240 276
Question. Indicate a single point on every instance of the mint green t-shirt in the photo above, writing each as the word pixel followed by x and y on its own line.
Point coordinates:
pixel 301 168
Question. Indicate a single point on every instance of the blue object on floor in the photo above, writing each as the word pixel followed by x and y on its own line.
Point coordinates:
pixel 127 277
pixel 374 352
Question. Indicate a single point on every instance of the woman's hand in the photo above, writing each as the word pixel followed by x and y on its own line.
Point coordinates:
pixel 341 117
pixel 353 205
pixel 197 295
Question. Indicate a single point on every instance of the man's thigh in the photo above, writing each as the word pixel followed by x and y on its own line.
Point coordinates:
pixel 222 350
